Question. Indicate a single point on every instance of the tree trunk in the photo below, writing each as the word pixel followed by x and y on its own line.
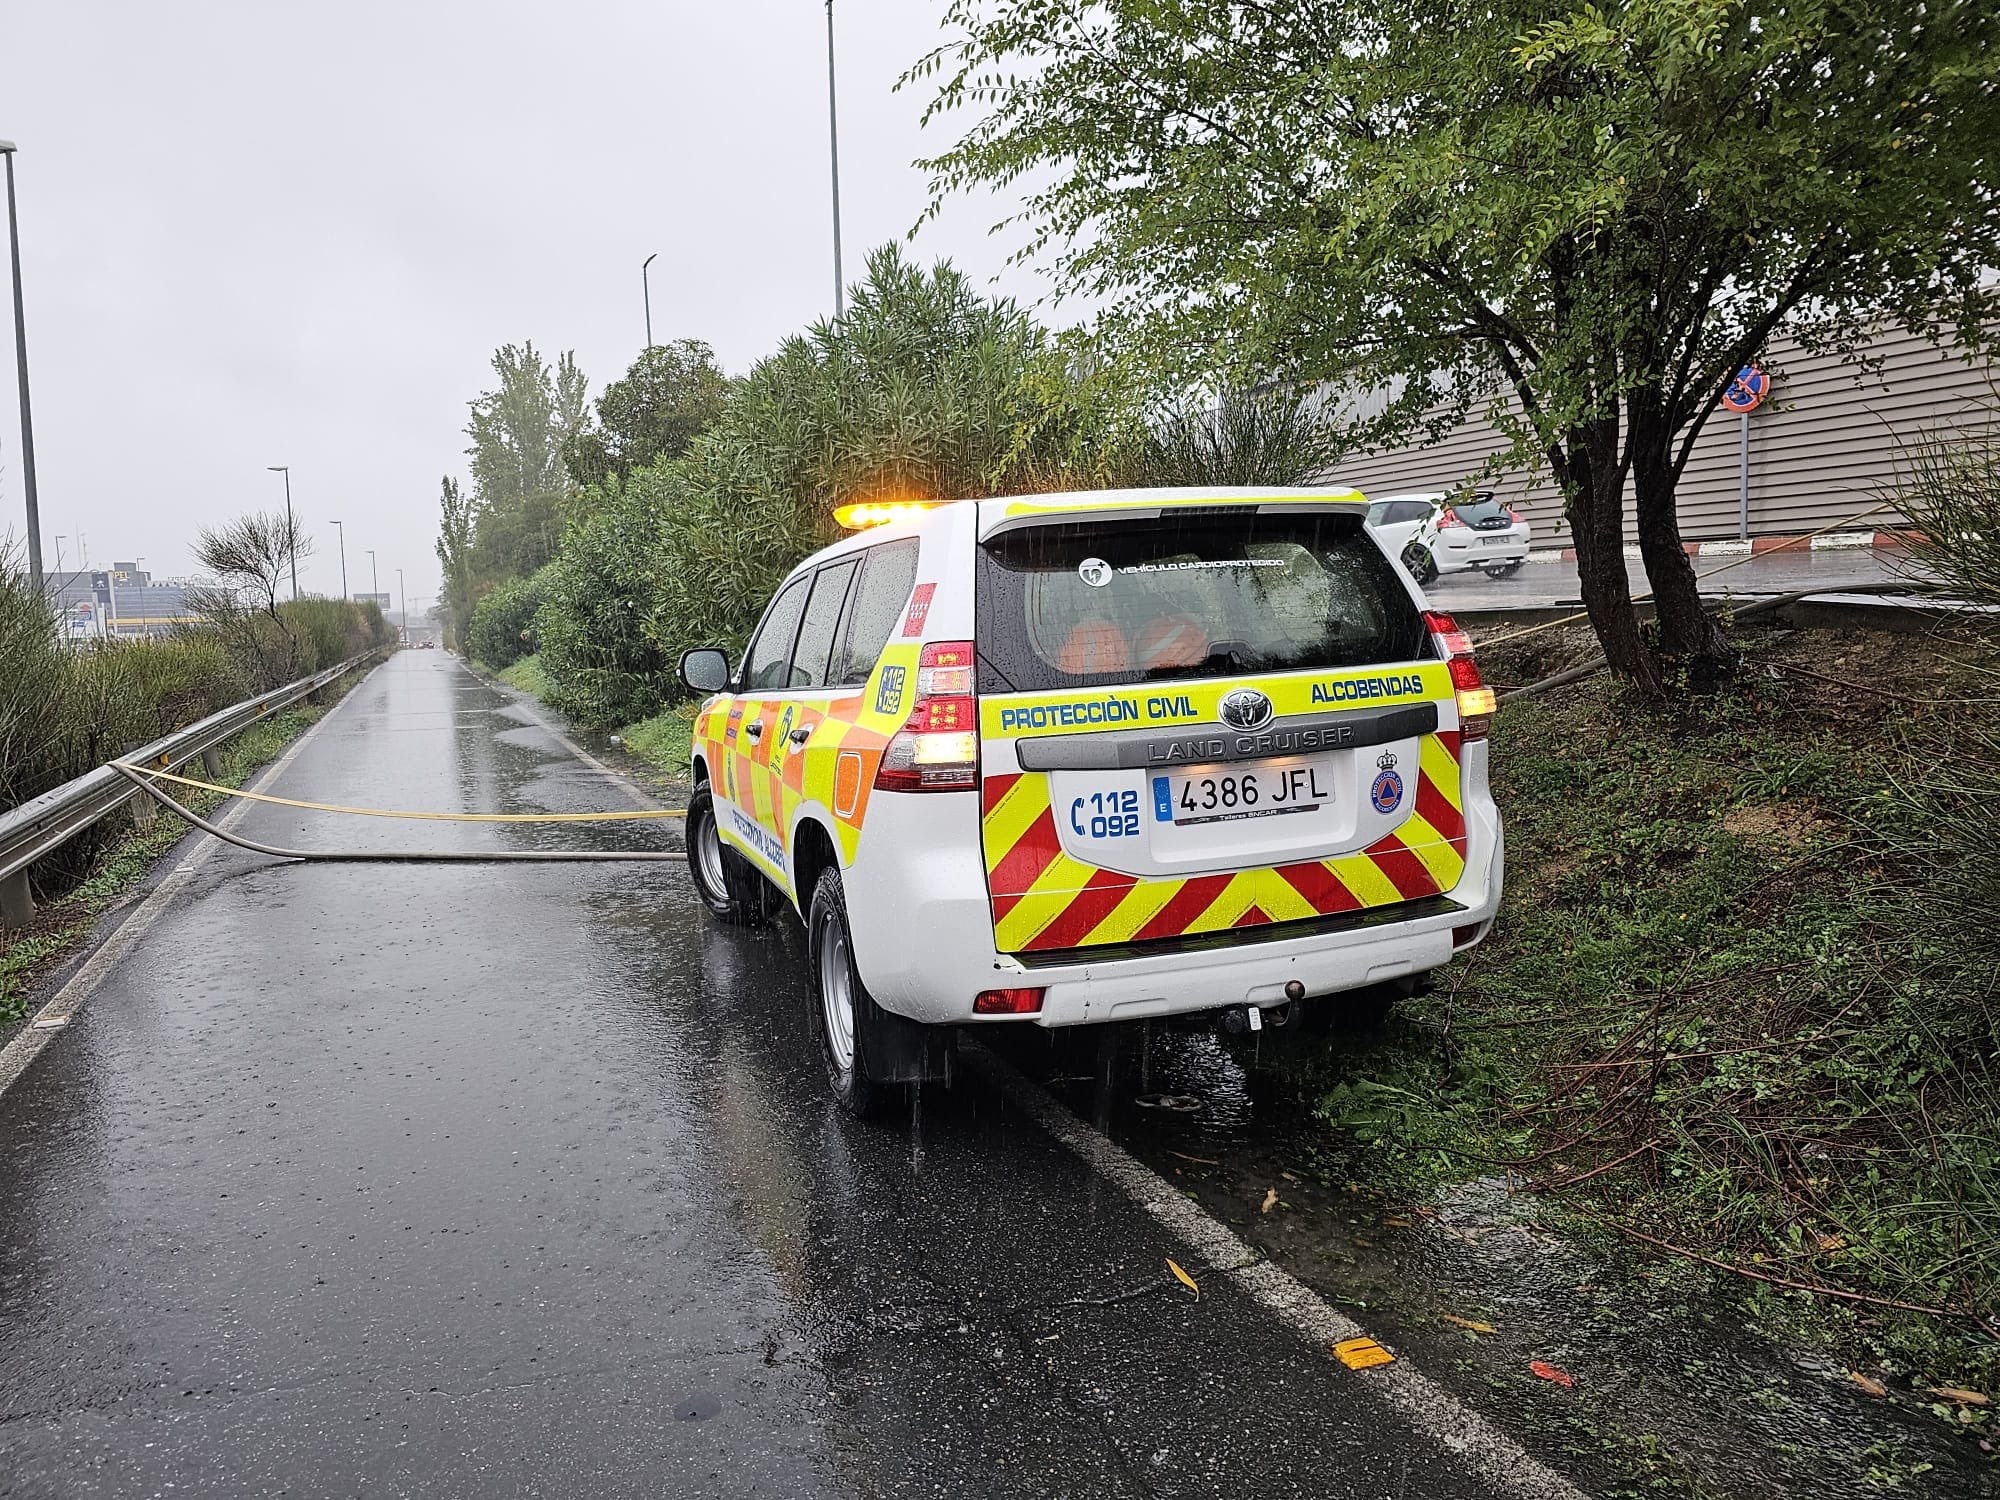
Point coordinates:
pixel 1688 633
pixel 1597 522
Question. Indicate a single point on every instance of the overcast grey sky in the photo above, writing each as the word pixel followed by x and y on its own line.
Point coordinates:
pixel 274 234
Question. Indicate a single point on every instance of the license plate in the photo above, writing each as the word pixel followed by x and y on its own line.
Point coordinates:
pixel 1496 541
pixel 1226 794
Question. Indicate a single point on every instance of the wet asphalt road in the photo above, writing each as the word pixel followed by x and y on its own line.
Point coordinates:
pixel 1543 584
pixel 410 1180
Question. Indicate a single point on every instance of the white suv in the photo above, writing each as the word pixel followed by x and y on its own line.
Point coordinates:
pixel 1073 759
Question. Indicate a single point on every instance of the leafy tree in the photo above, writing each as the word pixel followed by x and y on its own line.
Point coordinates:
pixel 925 390
pixel 454 552
pixel 518 430
pixel 519 433
pixel 669 396
pixel 1579 218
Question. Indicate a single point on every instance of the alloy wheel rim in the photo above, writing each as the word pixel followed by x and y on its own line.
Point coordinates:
pixel 836 993
pixel 708 849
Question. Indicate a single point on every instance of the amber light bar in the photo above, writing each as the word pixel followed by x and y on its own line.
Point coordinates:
pixel 862 514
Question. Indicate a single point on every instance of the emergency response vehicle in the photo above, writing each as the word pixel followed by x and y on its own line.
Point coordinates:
pixel 1075 759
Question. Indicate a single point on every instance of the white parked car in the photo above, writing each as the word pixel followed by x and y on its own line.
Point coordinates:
pixel 1432 535
pixel 1061 760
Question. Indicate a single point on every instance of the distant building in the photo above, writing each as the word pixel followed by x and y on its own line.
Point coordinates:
pixel 123 600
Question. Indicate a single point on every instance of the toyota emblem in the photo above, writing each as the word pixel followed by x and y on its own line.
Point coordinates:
pixel 1245 709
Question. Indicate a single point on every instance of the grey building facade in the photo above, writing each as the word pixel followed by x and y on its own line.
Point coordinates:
pixel 1831 441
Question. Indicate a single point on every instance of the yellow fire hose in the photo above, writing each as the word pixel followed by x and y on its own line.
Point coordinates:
pixel 384 812
pixel 146 778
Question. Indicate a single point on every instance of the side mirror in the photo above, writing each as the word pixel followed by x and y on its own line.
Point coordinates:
pixel 705 669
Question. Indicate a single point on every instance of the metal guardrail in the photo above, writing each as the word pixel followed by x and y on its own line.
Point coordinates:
pixel 44 824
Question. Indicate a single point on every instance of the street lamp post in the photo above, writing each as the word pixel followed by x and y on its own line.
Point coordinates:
pixel 21 366
pixel 374 583
pixel 646 288
pixel 291 527
pixel 343 558
pixel 403 594
pixel 833 142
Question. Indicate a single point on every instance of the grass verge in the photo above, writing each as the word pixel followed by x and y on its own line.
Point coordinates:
pixel 526 676
pixel 1737 1005
pixel 62 926
pixel 663 741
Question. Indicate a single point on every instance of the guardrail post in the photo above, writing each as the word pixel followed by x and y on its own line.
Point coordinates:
pixel 143 810
pixel 17 902
pixel 211 763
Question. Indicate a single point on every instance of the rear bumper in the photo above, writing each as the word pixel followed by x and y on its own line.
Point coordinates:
pixel 923 932
pixel 1456 553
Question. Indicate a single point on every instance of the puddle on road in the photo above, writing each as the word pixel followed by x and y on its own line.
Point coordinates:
pixel 1673 1393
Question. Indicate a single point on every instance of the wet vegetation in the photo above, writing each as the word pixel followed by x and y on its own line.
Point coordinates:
pixel 924 390
pixel 1738 1010
pixel 66 708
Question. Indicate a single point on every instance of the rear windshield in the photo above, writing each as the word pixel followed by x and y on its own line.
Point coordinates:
pixel 1480 509
pixel 1187 595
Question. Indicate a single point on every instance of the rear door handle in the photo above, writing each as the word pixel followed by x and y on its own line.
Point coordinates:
pixel 755 729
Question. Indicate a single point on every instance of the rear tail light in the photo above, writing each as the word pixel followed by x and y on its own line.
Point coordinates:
pixel 1476 703
pixel 1017 1002
pixel 1449 518
pixel 937 749
pixel 1513 516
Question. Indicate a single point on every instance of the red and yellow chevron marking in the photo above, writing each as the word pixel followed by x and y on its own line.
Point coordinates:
pixel 1043 899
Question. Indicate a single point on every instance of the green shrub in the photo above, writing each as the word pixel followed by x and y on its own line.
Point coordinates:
pixel 1951 493
pixel 36 715
pixel 603 668
pixel 327 631
pixel 65 710
pixel 165 685
pixel 503 622
pixel 925 390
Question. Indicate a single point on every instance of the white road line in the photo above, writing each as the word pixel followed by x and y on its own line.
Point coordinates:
pixel 27 1046
pixel 1491 1455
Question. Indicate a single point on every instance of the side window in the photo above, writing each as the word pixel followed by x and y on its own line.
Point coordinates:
pixel 764 669
pixel 815 649
pixel 888 572
pixel 1413 510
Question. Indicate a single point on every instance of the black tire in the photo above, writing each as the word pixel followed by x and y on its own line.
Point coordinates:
pixel 1504 570
pixel 836 983
pixel 729 885
pixel 1422 566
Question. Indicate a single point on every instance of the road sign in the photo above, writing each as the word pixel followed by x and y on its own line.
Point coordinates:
pixel 1747 391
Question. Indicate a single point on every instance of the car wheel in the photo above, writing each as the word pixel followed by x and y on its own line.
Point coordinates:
pixel 1421 564
pixel 846 1012
pixel 1504 570
pixel 729 886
